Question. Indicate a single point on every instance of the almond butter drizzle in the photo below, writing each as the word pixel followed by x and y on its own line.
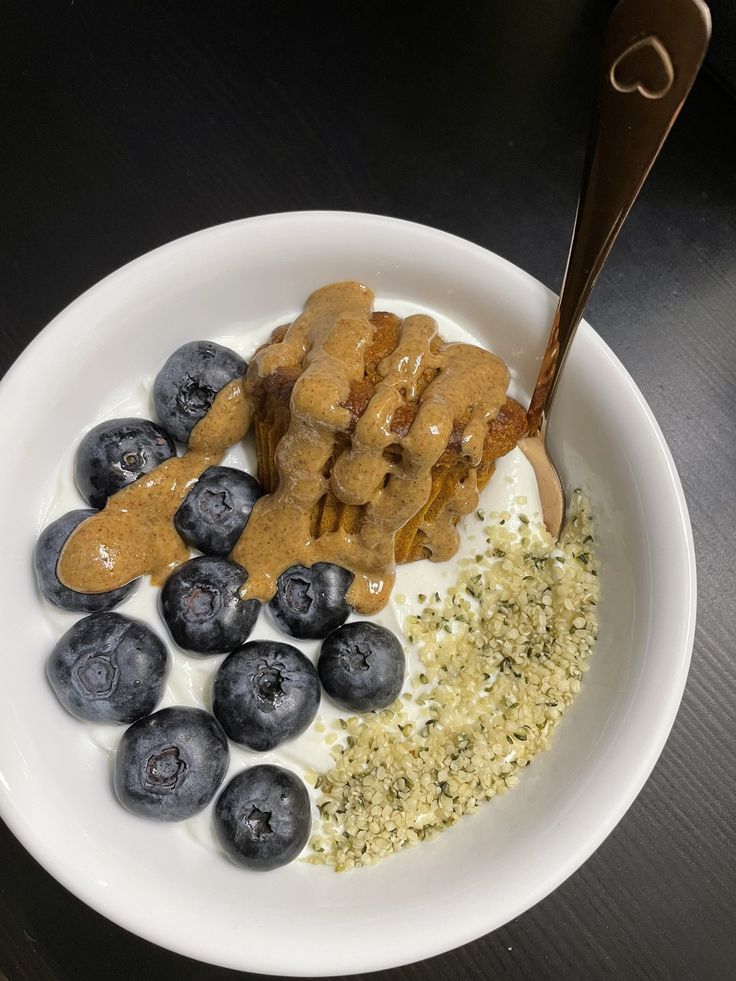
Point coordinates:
pixel 135 534
pixel 328 343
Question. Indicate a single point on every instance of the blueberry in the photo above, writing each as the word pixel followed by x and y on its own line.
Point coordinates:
pixel 202 607
pixel 361 666
pixel 310 603
pixel 169 765
pixel 116 453
pixel 216 510
pixel 46 558
pixel 265 693
pixel 263 817
pixel 186 386
pixel 108 668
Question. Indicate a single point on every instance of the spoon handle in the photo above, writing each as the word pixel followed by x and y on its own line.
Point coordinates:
pixel 651 54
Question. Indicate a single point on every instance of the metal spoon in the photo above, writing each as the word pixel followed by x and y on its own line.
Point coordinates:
pixel 651 54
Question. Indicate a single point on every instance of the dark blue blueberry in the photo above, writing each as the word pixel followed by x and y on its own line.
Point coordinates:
pixel 265 693
pixel 108 668
pixel 202 607
pixel 45 560
pixel 361 666
pixel 186 386
pixel 116 453
pixel 216 510
pixel 310 603
pixel 263 817
pixel 169 765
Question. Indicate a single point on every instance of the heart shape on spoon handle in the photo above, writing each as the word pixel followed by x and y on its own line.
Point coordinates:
pixel 644 67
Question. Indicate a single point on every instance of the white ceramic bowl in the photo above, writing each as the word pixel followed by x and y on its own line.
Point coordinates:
pixel 303 920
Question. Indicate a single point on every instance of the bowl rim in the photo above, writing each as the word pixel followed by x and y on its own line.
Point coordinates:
pixel 640 770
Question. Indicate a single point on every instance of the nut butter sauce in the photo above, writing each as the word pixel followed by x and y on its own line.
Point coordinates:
pixel 387 473
pixel 134 534
pixel 327 344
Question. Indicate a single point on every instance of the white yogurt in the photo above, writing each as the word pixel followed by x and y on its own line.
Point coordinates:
pixel 513 489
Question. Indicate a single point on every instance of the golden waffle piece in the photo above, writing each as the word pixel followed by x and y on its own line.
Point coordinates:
pixel 271 414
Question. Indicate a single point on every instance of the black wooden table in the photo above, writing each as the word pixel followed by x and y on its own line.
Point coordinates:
pixel 129 124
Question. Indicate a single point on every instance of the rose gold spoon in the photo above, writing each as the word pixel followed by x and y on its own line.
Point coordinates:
pixel 651 54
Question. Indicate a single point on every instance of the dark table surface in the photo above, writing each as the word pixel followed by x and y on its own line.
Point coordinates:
pixel 129 124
